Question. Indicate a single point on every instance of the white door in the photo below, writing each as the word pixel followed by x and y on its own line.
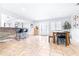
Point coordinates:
pixel 44 28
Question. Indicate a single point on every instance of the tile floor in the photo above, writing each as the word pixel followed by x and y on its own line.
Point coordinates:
pixel 36 46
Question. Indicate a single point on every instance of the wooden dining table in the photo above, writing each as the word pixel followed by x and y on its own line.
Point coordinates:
pixel 67 33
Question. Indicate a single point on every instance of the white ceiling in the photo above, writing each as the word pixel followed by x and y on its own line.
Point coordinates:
pixel 41 11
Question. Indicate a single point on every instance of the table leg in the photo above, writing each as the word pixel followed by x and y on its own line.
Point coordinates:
pixel 67 39
pixel 53 37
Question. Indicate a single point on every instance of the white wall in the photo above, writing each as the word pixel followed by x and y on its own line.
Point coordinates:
pixel 75 35
pixel 74 30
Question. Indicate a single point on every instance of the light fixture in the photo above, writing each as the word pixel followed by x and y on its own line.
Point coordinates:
pixel 23 9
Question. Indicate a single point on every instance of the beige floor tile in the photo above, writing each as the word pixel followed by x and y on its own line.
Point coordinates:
pixel 36 46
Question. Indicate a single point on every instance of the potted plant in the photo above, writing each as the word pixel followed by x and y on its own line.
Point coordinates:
pixel 67 25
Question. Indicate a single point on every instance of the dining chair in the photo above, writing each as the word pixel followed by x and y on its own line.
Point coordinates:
pixel 61 38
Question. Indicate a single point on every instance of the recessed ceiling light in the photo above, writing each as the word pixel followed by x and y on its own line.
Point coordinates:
pixel 23 9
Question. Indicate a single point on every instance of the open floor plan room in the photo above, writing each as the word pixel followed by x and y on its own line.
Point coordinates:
pixel 39 29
